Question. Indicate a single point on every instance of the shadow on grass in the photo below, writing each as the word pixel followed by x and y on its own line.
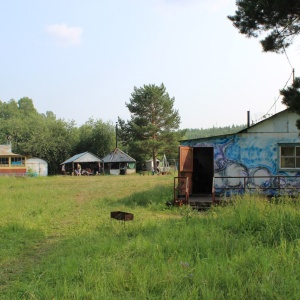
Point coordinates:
pixel 154 197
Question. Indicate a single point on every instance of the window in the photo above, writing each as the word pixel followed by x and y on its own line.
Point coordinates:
pixel 115 166
pixel 290 157
pixel 131 165
pixel 17 161
pixel 4 161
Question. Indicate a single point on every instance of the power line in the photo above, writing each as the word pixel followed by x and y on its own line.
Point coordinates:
pixel 266 114
pixel 292 74
pixel 287 57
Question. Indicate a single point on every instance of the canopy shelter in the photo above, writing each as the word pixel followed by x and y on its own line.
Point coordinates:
pixel 118 162
pixel 88 162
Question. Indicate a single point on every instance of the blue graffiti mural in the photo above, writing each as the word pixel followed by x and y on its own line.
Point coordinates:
pixel 247 163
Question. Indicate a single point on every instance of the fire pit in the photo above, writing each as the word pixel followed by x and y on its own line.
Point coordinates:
pixel 121 216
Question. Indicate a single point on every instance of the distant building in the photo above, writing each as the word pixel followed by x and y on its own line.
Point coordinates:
pixel 150 165
pixel 11 163
pixel 38 166
pixel 118 162
pixel 87 161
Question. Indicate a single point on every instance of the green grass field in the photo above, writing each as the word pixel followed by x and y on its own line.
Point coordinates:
pixel 57 241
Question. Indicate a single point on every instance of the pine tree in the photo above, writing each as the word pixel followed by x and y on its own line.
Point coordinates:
pixel 153 124
pixel 278 20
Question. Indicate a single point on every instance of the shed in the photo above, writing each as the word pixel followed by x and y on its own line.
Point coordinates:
pixel 150 165
pixel 37 165
pixel 264 156
pixel 87 160
pixel 118 162
pixel 11 163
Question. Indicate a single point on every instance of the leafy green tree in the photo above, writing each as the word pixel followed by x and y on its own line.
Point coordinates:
pixel 9 110
pixel 153 124
pixel 9 121
pixel 52 141
pixel 16 121
pixel 26 107
pixel 96 137
pixel 36 135
pixel 277 20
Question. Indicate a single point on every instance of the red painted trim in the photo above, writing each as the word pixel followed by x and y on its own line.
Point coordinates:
pixel 14 170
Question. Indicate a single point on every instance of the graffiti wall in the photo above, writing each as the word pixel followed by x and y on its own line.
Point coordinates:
pixel 249 161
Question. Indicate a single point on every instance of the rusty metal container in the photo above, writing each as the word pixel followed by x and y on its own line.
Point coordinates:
pixel 121 215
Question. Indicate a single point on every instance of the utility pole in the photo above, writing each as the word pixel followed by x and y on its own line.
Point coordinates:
pixel 116 134
pixel 293 75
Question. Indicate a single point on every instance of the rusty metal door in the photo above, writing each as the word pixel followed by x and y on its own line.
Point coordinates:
pixel 186 164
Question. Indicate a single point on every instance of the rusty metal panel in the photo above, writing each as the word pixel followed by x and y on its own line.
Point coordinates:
pixel 185 159
pixel 121 215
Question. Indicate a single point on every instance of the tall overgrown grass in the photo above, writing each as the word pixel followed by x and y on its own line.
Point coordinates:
pixel 57 241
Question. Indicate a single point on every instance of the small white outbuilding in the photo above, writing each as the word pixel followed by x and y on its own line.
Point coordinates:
pixel 150 165
pixel 38 166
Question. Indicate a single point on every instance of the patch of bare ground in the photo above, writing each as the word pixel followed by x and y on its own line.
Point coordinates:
pixel 82 198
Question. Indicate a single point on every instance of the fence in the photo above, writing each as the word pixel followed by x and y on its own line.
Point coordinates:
pixel 267 185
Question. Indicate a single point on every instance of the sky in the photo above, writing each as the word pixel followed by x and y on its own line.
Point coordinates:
pixel 81 59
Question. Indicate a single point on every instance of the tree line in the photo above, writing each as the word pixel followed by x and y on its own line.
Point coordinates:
pixel 43 135
pixel 152 131
pixel 194 133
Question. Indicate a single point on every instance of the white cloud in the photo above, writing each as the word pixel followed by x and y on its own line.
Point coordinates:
pixel 65 35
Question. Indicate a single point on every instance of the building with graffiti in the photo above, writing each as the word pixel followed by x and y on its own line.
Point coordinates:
pixel 263 157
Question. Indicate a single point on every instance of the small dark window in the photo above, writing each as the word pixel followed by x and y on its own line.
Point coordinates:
pixel 4 161
pixel 114 166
